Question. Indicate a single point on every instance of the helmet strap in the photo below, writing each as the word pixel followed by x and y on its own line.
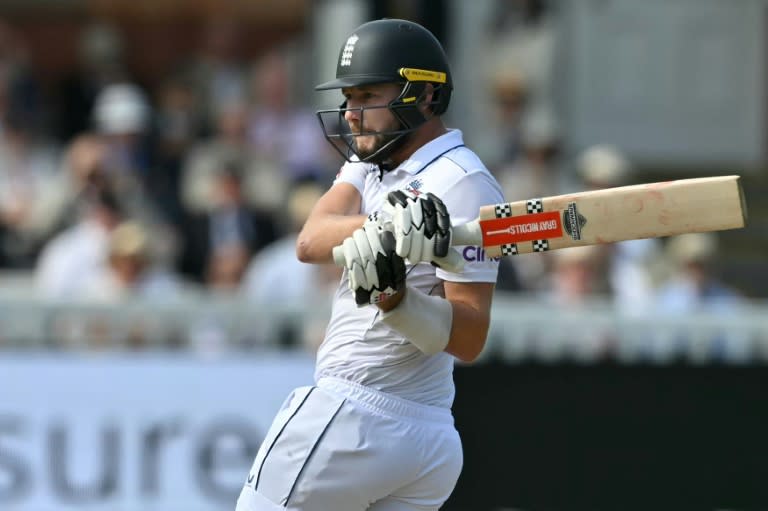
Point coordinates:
pixel 405 107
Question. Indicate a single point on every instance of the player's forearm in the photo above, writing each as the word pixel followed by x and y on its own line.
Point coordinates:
pixel 323 232
pixel 433 324
pixel 333 218
pixel 468 331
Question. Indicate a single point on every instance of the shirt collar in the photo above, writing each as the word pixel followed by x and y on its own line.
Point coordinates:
pixel 427 153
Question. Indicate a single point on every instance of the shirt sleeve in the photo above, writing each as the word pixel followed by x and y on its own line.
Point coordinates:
pixel 463 201
pixel 354 173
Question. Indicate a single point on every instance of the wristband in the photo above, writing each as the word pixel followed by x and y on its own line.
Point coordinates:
pixel 424 320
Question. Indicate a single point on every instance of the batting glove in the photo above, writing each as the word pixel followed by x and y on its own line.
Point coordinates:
pixel 375 270
pixel 422 228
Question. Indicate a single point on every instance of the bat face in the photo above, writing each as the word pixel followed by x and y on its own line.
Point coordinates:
pixel 612 214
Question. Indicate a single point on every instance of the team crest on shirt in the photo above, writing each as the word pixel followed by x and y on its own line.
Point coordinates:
pixel 414 186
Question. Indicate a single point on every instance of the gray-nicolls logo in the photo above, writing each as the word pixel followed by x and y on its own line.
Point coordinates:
pixel 346 54
pixel 573 221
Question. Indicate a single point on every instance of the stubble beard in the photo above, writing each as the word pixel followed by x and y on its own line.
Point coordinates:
pixel 378 141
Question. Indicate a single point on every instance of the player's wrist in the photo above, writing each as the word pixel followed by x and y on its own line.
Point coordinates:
pixel 424 320
pixel 393 301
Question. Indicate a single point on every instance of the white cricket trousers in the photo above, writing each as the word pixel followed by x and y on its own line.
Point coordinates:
pixel 340 446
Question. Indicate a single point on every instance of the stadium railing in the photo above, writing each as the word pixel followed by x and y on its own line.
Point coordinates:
pixel 523 328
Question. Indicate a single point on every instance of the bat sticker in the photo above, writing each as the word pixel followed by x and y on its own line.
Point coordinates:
pixel 516 229
pixel 573 221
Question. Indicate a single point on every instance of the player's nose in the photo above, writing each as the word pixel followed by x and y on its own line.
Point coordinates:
pixel 352 114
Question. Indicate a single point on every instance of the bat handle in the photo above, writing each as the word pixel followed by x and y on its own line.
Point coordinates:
pixel 467 234
pixel 338 256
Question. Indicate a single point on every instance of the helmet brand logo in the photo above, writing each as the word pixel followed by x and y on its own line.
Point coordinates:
pixel 346 54
pixel 423 75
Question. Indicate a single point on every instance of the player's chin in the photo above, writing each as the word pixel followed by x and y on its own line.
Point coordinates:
pixel 366 145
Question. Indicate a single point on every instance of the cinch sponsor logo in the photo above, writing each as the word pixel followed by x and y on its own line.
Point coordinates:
pixel 476 254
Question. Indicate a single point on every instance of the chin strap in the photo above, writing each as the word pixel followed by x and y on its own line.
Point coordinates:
pixel 384 167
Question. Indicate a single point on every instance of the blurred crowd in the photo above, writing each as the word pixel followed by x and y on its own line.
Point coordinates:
pixel 111 189
pixel 671 276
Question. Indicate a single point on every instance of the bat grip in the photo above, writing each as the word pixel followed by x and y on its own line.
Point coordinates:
pixel 338 256
pixel 467 234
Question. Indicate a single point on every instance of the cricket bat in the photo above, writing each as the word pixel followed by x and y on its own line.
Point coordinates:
pixel 607 215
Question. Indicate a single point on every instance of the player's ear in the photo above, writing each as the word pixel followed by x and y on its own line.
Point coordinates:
pixel 428 96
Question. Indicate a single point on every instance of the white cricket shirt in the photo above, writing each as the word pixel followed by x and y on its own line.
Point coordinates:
pixel 357 346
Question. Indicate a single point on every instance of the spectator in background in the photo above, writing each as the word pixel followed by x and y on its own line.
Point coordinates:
pixel 508 94
pixel 225 268
pixel 577 284
pixel 101 62
pixel 219 241
pixel 79 252
pixel 219 69
pixel 694 286
pixel 20 87
pixel 525 39
pixel 179 123
pixel 121 117
pixel 264 186
pixel 520 66
pixel 280 131
pixel 130 271
pixel 27 161
pixel 28 190
pixel 202 163
pixel 81 173
pixel 630 265
pixel 576 278
pixel 533 173
pixel 522 145
pixel 602 166
pixel 276 278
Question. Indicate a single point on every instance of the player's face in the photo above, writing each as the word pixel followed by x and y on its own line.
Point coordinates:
pixel 368 113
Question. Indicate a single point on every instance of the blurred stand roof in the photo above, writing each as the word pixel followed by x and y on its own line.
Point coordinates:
pixel 154 32
pixel 265 11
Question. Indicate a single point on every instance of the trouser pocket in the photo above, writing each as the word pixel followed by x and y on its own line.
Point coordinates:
pixel 294 435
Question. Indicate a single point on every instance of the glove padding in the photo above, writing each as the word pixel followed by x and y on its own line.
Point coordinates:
pixel 375 270
pixel 422 228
